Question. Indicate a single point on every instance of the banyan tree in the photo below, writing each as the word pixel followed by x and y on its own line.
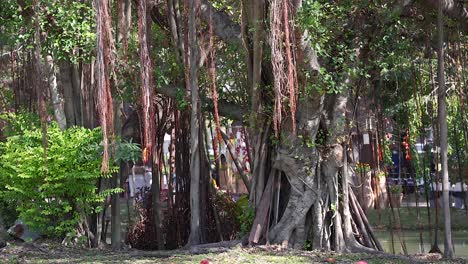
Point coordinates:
pixel 299 134
pixel 291 71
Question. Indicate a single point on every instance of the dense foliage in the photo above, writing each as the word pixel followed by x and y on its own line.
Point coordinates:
pixel 52 197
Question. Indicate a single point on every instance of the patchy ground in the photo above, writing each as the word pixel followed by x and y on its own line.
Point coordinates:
pixel 55 253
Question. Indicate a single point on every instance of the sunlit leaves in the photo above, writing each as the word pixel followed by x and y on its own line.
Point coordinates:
pixel 70 28
pixel 54 197
pixel 67 27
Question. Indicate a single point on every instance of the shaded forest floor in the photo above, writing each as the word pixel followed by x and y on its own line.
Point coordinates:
pixel 55 253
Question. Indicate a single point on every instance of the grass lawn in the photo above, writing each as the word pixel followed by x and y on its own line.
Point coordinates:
pixel 409 219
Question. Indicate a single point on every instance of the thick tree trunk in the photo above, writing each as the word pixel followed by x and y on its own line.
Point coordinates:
pixel 442 118
pixel 87 90
pixel 314 175
pixel 298 163
pixel 77 99
pixel 67 87
pixel 57 100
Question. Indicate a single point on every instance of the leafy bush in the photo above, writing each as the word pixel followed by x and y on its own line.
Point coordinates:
pixel 54 197
pixel 226 209
pixel 245 214
pixel 18 123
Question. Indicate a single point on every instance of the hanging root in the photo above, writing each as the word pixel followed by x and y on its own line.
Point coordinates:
pixel 104 65
pixel 291 79
pixel 147 94
pixel 277 62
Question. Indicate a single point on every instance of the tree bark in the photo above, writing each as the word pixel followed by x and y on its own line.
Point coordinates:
pixel 38 80
pixel 173 15
pixel 261 217
pixel 116 223
pixel 118 177
pixel 57 100
pixel 453 9
pixel 223 26
pixel 442 118
pixel 67 87
pixel 155 192
pixel 195 237
pixel 77 99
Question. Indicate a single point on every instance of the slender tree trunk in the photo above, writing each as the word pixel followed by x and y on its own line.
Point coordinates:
pixel 116 223
pixel 155 192
pixel 253 32
pixel 38 81
pixel 174 25
pixel 442 117
pixel 116 220
pixel 57 100
pixel 117 178
pixel 151 149
pixel 235 159
pixel 195 237
pixel 435 159
pixel 258 36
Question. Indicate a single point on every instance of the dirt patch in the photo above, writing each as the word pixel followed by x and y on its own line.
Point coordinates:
pixel 54 252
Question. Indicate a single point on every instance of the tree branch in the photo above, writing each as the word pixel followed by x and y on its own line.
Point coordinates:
pixel 452 8
pixel 223 26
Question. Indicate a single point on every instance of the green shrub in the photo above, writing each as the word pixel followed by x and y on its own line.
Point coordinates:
pixel 18 123
pixel 245 214
pixel 57 196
